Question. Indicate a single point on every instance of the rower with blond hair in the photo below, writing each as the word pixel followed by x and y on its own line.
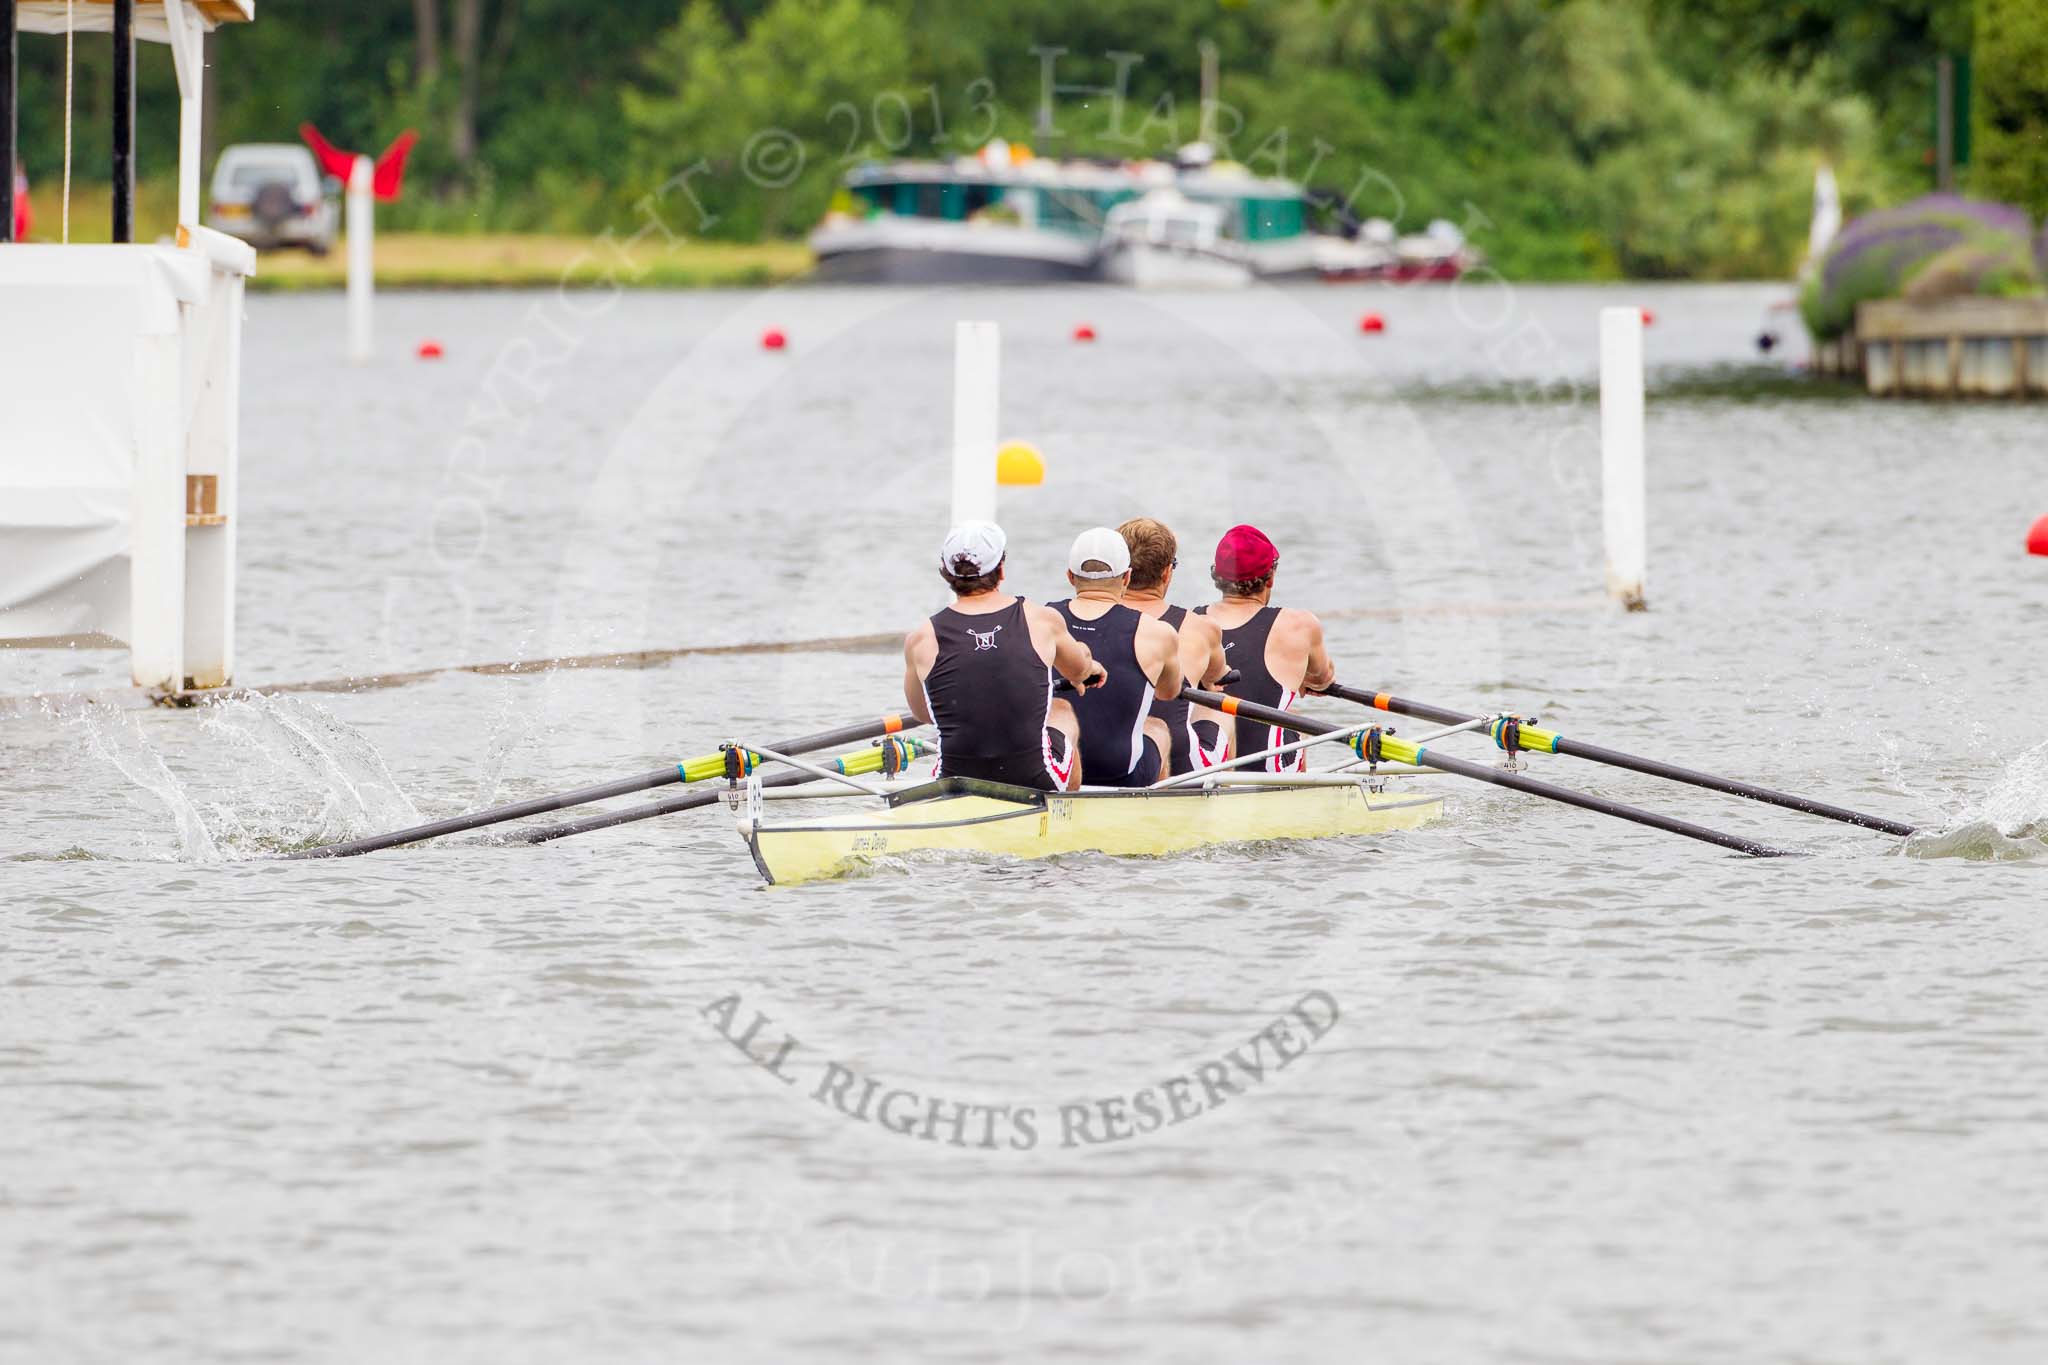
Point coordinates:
pixel 1198 735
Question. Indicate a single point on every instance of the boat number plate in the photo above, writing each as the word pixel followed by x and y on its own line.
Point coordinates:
pixel 871 843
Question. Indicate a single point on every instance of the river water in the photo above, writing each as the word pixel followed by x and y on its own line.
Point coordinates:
pixel 1555 1088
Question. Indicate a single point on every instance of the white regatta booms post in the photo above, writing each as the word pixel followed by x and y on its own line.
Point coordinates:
pixel 977 415
pixel 120 377
pixel 1621 454
pixel 362 258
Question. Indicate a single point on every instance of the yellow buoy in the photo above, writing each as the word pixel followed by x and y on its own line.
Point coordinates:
pixel 1018 463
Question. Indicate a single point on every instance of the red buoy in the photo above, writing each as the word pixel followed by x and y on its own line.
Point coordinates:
pixel 773 339
pixel 430 350
pixel 1649 318
pixel 1372 322
pixel 1084 333
pixel 2037 539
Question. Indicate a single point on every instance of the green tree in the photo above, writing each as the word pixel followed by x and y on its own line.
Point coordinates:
pixel 2011 121
pixel 1879 47
pixel 762 122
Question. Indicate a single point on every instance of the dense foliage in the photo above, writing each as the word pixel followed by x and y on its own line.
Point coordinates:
pixel 2012 103
pixel 1570 137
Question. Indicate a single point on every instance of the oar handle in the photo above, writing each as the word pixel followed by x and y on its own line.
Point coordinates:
pixel 667 806
pixel 853 765
pixel 1399 706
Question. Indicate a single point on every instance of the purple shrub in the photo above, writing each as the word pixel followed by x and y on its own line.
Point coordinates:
pixel 1877 255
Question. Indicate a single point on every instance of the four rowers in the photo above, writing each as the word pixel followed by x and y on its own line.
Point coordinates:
pixel 982 669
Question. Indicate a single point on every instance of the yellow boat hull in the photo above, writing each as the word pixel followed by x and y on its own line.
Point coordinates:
pixel 980 817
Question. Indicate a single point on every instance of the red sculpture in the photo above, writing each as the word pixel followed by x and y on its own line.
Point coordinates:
pixel 385 176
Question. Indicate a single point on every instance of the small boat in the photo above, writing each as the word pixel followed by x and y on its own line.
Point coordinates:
pixel 1002 216
pixel 1354 258
pixel 1008 216
pixel 964 815
pixel 1376 253
pixel 1165 240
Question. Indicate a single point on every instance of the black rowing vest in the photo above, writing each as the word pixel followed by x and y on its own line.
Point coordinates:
pixel 988 691
pixel 1174 710
pixel 1113 715
pixel 1244 647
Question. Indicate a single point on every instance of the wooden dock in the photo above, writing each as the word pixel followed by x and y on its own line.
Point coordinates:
pixel 1956 348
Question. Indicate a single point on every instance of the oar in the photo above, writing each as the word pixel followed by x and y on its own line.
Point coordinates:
pixel 1550 742
pixel 1396 750
pixel 690 770
pixel 852 765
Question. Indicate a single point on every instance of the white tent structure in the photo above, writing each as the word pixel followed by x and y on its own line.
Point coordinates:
pixel 120 377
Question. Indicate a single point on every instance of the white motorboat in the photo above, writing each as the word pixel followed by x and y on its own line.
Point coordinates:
pixel 1165 240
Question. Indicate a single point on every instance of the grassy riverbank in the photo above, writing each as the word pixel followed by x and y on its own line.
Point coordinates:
pixel 454 260
pixel 423 260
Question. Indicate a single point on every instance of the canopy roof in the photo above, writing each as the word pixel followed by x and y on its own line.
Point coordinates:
pixel 97 16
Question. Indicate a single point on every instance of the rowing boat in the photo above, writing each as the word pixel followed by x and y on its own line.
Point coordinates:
pixel 1191 811
pixel 960 814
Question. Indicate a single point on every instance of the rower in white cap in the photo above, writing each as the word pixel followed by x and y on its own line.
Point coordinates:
pixel 1127 746
pixel 981 670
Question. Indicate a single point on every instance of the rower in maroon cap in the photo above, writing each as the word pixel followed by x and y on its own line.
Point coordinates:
pixel 1277 651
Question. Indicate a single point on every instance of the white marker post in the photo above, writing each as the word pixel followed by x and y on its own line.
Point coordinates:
pixel 362 246
pixel 977 376
pixel 1621 453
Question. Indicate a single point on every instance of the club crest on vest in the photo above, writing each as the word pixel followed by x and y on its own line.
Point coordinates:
pixel 984 639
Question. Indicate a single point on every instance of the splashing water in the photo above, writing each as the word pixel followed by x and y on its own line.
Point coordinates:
pixel 117 738
pixel 297 744
pixel 1901 753
pixel 307 745
pixel 2010 823
pixel 510 730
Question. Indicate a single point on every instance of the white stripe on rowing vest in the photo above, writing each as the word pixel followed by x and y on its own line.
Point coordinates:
pixel 1280 763
pixel 1052 768
pixel 1138 730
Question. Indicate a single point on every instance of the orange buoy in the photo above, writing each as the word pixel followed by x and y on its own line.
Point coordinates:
pixel 430 349
pixel 1649 318
pixel 1372 322
pixel 2037 539
pixel 773 339
pixel 1084 333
